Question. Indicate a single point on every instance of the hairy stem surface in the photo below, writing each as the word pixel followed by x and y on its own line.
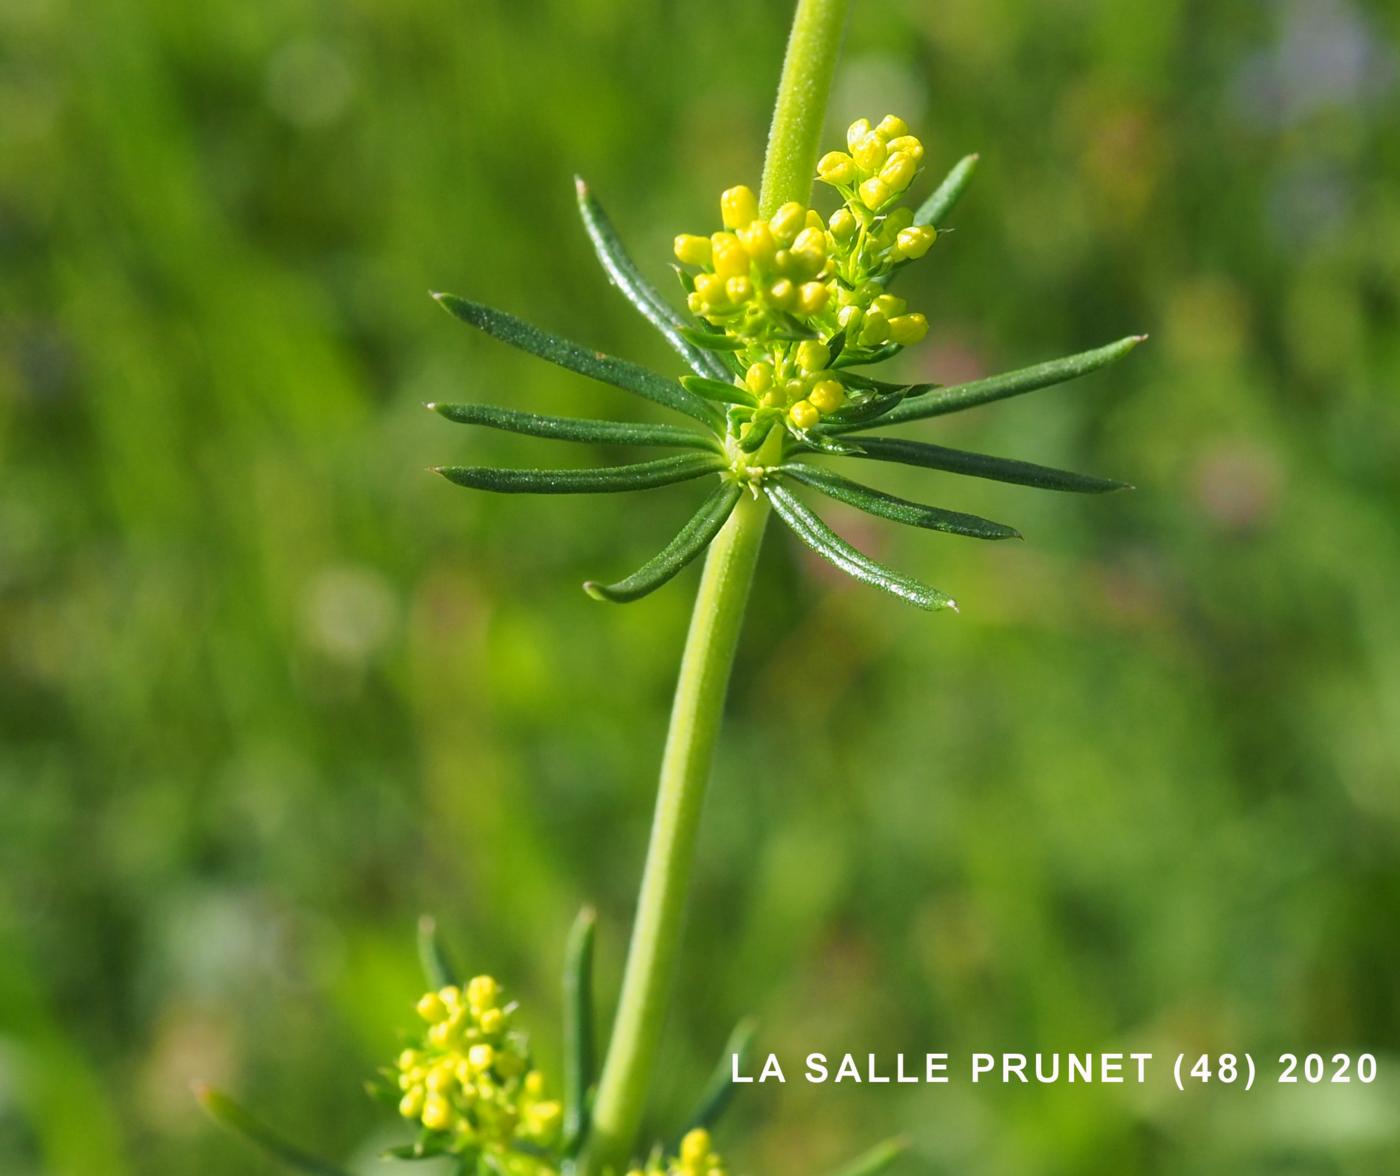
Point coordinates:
pixel 708 659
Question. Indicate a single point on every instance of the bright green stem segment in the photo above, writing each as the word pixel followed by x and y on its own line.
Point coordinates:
pixel 685 770
pixel 709 656
pixel 795 137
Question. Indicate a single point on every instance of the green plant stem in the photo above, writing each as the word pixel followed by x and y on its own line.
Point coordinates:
pixel 708 658
pixel 795 136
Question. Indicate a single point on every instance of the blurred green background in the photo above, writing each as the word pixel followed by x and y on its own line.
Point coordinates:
pixel 268 689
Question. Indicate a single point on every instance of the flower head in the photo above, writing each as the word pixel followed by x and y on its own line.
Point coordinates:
pixel 695 1157
pixel 786 307
pixel 469 1081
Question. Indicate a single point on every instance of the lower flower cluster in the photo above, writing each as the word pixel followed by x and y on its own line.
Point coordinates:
pixel 470 1080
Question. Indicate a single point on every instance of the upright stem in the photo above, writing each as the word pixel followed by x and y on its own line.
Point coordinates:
pixel 708 659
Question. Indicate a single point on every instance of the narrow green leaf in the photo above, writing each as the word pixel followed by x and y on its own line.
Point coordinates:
pixel 575 429
pixel 901 510
pixel 229 1114
pixel 867 408
pixel 719 1088
pixel 981 465
pixel 621 373
pixel 579 1044
pixel 721 391
pixel 432 954
pixel 856 356
pixel 877 1159
pixel 711 341
pixel 824 443
pixel 692 539
pixel 753 440
pixel 829 545
pixel 642 475
pixel 948 193
pixel 625 275
pixel 960 396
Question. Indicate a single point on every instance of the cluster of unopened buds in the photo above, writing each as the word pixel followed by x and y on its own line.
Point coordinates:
pixel 470 1080
pixel 801 295
pixel 696 1157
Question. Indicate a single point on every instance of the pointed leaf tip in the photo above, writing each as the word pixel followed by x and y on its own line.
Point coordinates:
pixel 580 186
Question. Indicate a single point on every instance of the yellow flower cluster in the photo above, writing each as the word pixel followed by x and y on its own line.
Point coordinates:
pixel 785 287
pixel 471 1076
pixel 697 1158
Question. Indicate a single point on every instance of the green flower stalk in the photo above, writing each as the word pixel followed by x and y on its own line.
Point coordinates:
pixel 786 309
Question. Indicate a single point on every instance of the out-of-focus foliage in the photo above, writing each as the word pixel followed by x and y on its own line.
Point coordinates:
pixel 268 689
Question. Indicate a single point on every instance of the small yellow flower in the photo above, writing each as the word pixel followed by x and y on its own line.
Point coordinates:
pixel 787 222
pixel 759 378
pixel 908 329
pixel 857 131
pixel 782 294
pixel 812 355
pixel 738 207
pixel 692 250
pixel 870 153
pixel 843 224
pixel 827 396
pixel 739 289
pixel 892 127
pixel 836 168
pixel 913 242
pixel 874 192
pixel 758 243
pixel 804 415
pixel 812 296
pixel 898 171
pixel 910 146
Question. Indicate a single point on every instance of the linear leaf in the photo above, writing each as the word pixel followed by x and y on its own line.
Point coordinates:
pixel 712 341
pixel 981 465
pixel 432 954
pixel 752 441
pixel 719 1088
pixel 621 373
pixel 874 405
pixel 227 1113
pixel 574 428
pixel 625 275
pixel 642 475
pixel 579 1045
pixel 692 539
pixel 948 193
pixel 960 396
pixel 829 545
pixel 722 391
pixel 877 1159
pixel 901 510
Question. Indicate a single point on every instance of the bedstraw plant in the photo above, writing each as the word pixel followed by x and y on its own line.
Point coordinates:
pixel 784 309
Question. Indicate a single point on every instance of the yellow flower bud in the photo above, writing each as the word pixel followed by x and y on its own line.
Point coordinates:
pixel 898 171
pixel 695 303
pixel 782 294
pixel 857 131
pixel 440 1034
pixel 889 305
pixel 440 1077
pixel 409 1058
pixel 758 243
pixel 710 287
pixel 492 1021
pixel 437 1113
pixel 911 147
pixel 870 153
pixel 431 1008
pixel 836 167
pixel 850 318
pixel 827 396
pixel 773 398
pixel 739 289
pixel 692 250
pixel 787 222
pixel 738 206
pixel 874 192
pixel 915 241
pixel 908 329
pixel 759 378
pixel 812 297
pixel 695 1147
pixel 812 355
pixel 730 258
pixel 803 415
pixel 482 991
pixel 892 127
pixel 843 224
pixel 411 1105
pixel 811 240
pixel 480 1057
pixel 876 329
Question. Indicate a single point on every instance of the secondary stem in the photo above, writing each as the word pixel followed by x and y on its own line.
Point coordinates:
pixel 708 659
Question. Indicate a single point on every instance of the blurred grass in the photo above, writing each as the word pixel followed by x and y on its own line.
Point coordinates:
pixel 267 690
